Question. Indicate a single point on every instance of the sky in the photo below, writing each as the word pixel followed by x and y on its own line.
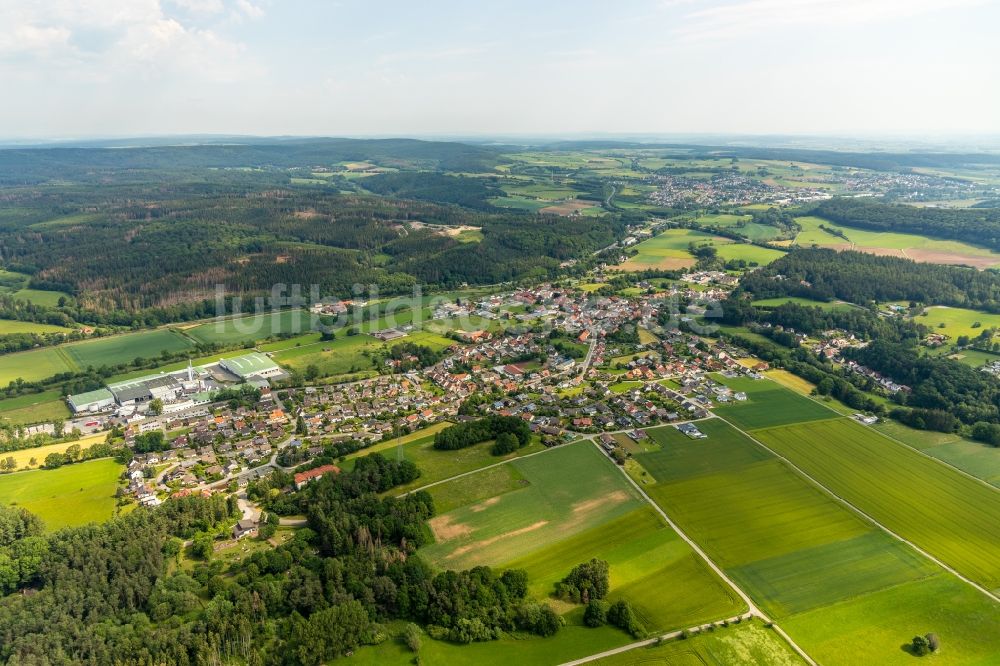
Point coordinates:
pixel 97 68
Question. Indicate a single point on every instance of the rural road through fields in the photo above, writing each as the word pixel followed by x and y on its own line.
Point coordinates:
pixel 861 513
pixel 753 609
pixel 650 641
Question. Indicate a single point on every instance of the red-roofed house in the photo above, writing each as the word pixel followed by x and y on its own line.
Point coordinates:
pixel 302 478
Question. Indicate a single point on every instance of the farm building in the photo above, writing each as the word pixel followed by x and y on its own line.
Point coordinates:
pixel 91 401
pixel 251 366
pixel 388 334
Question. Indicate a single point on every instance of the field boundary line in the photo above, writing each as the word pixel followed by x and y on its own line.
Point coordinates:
pixel 751 606
pixel 865 515
pixel 945 463
pixel 482 469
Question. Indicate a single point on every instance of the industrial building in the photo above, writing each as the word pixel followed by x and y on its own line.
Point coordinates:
pixel 251 366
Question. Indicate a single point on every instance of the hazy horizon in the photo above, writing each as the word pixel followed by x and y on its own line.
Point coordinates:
pixel 791 68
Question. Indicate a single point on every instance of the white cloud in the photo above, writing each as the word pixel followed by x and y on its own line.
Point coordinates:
pixel 750 16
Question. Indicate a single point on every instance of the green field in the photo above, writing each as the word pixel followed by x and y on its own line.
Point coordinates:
pixel 768 404
pixel 553 505
pixel 754 254
pixel 744 643
pixel 48 299
pixel 251 327
pixel 11 327
pixel 873 629
pixel 975 458
pixel 669 249
pixel 33 408
pixel 681 457
pixel 767 303
pixel 436 465
pixel 948 515
pixel 34 365
pixel 957 321
pixel 71 495
pixel 346 354
pixel 919 248
pixel 125 348
pixel 666 582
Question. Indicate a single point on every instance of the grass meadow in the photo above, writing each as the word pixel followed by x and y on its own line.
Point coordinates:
pixel 33 408
pixel 768 404
pixel 71 495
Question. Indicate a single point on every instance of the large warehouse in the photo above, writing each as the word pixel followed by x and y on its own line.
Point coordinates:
pixel 251 366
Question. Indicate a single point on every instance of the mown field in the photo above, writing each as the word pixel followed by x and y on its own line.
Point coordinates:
pixel 23 457
pixel 947 514
pixel 768 303
pixel 71 495
pixel 768 404
pixel 669 250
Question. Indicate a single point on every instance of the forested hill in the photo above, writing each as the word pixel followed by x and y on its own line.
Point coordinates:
pixel 36 165
pixel 861 278
pixel 980 226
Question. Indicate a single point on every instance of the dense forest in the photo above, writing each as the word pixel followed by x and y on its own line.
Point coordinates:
pixel 979 226
pixel 109 594
pixel 862 278
pixel 173 244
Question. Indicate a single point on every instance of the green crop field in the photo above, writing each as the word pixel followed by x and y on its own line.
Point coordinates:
pixel 759 511
pixel 33 408
pixel 251 327
pixel 789 583
pixel 744 643
pixel 71 495
pixel 34 365
pixel 12 327
pixel 872 629
pixel 570 489
pixel 918 248
pixel 948 515
pixel 667 583
pixel 769 404
pixel 975 458
pixel 125 348
pixel 681 457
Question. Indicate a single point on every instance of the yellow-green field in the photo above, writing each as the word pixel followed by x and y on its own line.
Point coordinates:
pixel 911 246
pixel 957 321
pixel 71 495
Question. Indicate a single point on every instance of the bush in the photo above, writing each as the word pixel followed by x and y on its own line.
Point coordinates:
pixel 622 616
pixel 596 614
pixel 586 582
pixel 411 636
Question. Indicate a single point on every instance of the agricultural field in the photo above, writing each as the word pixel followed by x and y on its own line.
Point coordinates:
pixel 955 322
pixel 344 355
pixel 950 516
pixel 436 465
pixel 71 495
pixel 752 254
pixel 767 303
pixel 875 628
pixel 125 348
pixel 23 457
pixel 553 505
pixel 666 582
pixel 33 408
pixel 911 246
pixel 251 327
pixel 744 643
pixel 768 404
pixel 12 327
pixel 816 566
pixel 974 458
pixel 669 250
pixel 34 365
